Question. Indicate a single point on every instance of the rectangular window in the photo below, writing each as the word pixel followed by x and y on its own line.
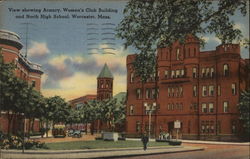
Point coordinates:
pixel 225 107
pixel 138 93
pixel 181 91
pixel 212 72
pixel 153 93
pixel 204 91
pixel 234 89
pixel 181 106
pixel 169 92
pixel 203 72
pixel 173 74
pixel 132 77
pixel 182 73
pixel 195 106
pixel 194 72
pixel 177 91
pixel 207 72
pixel 168 106
pixel 172 91
pixel 131 110
pixel 218 90
pixel 177 73
pixel 172 106
pixel 218 127
pixel 211 90
pixel 204 107
pixel 195 91
pixel 33 84
pixel 211 107
pixel 148 93
pixel 166 73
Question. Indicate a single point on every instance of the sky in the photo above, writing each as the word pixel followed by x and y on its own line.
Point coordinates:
pixel 72 51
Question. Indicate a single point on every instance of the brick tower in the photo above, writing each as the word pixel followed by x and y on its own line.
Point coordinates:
pixel 105 84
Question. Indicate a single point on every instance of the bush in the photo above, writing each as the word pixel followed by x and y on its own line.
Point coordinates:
pixel 16 142
pixel 175 143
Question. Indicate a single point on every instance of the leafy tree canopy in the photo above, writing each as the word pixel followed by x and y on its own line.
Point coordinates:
pixel 244 108
pixel 158 23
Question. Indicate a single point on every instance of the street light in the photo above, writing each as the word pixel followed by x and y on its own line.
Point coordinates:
pixel 149 108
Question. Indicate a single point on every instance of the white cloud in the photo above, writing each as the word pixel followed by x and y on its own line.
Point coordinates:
pixel 38 49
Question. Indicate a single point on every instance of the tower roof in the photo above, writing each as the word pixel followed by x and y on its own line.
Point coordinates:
pixel 105 73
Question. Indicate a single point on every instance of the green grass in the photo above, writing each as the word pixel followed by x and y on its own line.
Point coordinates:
pixel 99 144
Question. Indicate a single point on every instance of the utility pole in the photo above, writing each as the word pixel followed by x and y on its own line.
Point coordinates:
pixel 26 37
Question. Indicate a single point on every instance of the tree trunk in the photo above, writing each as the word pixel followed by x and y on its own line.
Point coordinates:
pixel 46 129
pixel 10 117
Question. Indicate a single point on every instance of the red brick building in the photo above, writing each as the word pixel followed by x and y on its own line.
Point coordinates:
pixel 11 45
pixel 200 89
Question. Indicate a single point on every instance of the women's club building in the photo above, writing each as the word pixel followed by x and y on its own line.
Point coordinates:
pixel 201 89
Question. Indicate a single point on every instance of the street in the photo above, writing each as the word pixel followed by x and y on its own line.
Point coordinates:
pixel 210 152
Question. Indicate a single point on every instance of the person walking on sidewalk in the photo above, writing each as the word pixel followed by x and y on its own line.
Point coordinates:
pixel 144 140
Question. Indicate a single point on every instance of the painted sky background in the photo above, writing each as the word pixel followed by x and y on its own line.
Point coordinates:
pixel 63 46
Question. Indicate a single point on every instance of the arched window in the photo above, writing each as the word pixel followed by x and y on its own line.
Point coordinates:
pixel 225 69
pixel 177 54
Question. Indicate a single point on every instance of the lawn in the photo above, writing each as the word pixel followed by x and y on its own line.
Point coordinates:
pixel 99 144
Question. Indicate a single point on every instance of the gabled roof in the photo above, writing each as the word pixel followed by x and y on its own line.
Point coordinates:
pixel 105 73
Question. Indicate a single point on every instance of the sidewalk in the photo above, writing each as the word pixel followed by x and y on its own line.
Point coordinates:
pixel 95 153
pixel 216 142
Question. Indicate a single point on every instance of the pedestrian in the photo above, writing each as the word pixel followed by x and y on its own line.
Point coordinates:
pixel 144 140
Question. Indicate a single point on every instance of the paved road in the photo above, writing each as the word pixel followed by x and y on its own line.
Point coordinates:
pixel 210 152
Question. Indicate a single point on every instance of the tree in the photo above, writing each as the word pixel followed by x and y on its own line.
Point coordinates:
pixel 58 109
pixel 244 108
pixel 148 25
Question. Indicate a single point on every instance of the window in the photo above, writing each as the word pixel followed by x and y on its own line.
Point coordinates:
pixel 169 92
pixel 177 54
pixel 218 127
pixel 219 90
pixel 173 74
pixel 212 126
pixel 195 106
pixel 195 91
pixel 138 126
pixel 181 91
pixel 212 72
pixel 102 84
pixel 177 91
pixel 211 107
pixel 207 72
pixel 138 93
pixel 204 91
pixel 168 106
pixel 33 83
pixel 172 107
pixel 172 91
pixel 204 107
pixel 225 107
pixel 182 73
pixel 131 110
pixel 211 90
pixel 177 106
pixel 181 106
pixel 148 93
pixel 194 72
pixel 166 73
pixel 177 73
pixel 132 78
pixel 226 70
pixel 203 72
pixel 234 89
pixel 153 93
pixel 107 84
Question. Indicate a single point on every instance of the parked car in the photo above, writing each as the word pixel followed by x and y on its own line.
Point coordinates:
pixel 77 133
pixel 70 132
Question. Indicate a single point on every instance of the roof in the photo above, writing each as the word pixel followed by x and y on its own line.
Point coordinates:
pixel 105 73
pixel 83 99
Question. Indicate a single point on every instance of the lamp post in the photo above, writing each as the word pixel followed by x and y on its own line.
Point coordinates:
pixel 149 108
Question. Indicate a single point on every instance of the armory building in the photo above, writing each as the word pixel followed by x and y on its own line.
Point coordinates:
pixel 200 89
